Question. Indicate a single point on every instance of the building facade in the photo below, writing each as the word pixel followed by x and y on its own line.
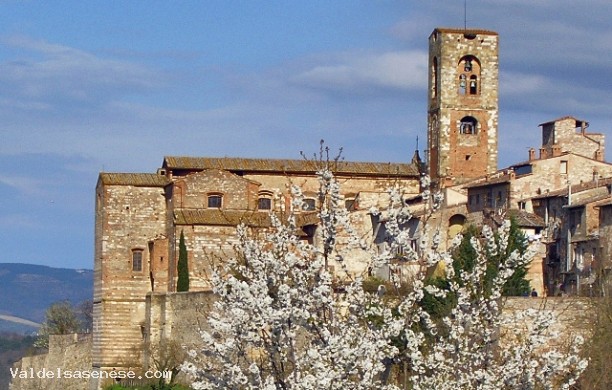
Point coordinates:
pixel 140 218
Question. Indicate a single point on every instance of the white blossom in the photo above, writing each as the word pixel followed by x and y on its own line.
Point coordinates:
pixel 281 322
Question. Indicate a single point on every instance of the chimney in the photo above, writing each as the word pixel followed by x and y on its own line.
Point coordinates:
pixel 556 150
pixel 598 155
pixel 532 154
pixel 543 153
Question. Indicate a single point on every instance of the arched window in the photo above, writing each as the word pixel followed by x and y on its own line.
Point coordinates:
pixel 468 125
pixel 215 201
pixel 462 84
pixel 455 225
pixel 264 201
pixel 468 69
pixel 473 85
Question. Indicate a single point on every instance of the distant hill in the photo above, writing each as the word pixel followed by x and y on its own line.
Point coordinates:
pixel 27 290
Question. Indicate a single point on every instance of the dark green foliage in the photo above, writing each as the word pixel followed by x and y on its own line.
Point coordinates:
pixel 464 258
pixel 182 283
pixel 438 307
pixel 517 285
pixel 13 346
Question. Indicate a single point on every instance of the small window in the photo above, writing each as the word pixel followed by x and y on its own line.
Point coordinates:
pixel 215 201
pixel 563 168
pixel 264 203
pixel 309 204
pixel 462 84
pixel 473 85
pixel 468 125
pixel 137 260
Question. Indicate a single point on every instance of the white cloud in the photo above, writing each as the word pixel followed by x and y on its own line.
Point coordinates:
pixel 515 83
pixel 24 185
pixel 46 71
pixel 360 72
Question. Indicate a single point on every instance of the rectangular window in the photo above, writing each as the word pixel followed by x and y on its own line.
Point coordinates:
pixel 137 260
pixel 264 204
pixel 563 168
pixel 215 201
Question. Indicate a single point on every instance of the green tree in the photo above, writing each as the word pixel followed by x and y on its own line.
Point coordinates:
pixel 183 269
pixel 516 285
pixel 60 318
pixel 465 258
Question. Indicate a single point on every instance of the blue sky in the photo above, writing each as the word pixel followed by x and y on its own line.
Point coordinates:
pixel 90 86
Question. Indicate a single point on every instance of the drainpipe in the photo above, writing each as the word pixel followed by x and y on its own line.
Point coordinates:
pixel 569 229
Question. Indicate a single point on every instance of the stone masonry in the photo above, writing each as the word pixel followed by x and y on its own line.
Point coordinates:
pixel 462 104
pixel 140 218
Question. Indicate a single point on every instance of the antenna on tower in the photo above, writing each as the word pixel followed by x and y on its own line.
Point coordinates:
pixel 465 15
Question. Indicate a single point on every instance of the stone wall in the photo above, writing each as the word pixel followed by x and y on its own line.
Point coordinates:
pixel 173 325
pixel 70 354
pixel 173 322
pixel 569 135
pixel 574 316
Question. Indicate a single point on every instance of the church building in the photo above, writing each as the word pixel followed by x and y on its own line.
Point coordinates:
pixel 140 217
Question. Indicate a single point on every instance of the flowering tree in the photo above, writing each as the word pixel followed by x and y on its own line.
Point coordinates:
pixel 280 322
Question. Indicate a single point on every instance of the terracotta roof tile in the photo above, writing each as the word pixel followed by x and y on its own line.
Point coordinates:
pixel 562 119
pixel 219 217
pixel 134 179
pixel 522 218
pixel 288 166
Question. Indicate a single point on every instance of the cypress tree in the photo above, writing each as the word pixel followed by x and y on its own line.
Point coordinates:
pixel 182 283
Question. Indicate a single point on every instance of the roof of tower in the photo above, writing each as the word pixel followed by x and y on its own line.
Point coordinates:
pixel 287 166
pixel 466 31
pixel 578 121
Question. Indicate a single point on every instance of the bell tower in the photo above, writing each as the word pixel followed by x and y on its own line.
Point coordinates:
pixel 462 104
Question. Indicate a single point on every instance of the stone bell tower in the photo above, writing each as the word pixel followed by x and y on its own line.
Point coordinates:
pixel 462 104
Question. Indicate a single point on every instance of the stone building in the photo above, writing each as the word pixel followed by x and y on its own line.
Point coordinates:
pixel 575 236
pixel 140 217
pixel 561 187
pixel 569 134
